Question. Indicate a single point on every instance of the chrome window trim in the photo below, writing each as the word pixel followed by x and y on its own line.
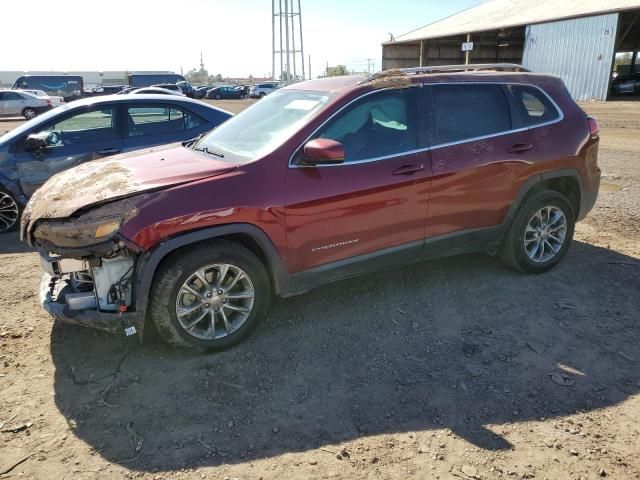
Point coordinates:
pixel 431 147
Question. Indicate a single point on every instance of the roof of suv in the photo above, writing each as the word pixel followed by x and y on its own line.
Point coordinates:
pixel 406 76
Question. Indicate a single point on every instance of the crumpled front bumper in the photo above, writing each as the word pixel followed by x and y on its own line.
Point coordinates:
pixel 52 299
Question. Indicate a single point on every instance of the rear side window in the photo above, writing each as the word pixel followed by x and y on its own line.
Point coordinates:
pixel 154 120
pixel 534 105
pixel 464 112
pixel 10 96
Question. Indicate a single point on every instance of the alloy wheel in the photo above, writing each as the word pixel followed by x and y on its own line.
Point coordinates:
pixel 9 212
pixel 545 234
pixel 215 301
pixel 29 114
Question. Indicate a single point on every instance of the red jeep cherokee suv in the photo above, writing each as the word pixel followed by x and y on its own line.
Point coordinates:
pixel 319 181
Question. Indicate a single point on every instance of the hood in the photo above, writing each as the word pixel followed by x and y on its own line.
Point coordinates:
pixel 104 180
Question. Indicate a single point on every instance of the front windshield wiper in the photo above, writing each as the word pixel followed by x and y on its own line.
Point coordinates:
pixel 191 142
pixel 208 152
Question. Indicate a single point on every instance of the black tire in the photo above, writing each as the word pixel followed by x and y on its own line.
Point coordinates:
pixel 29 113
pixel 513 251
pixel 10 211
pixel 176 269
pixel 262 94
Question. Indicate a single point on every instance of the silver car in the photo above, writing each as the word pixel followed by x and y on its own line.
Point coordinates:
pixel 14 103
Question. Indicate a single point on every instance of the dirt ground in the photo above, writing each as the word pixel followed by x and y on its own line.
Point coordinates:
pixel 456 368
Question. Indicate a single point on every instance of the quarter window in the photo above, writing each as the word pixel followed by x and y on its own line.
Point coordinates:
pixel 534 105
pixel 464 112
pixel 380 124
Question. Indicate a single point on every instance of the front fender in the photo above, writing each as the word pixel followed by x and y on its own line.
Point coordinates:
pixel 148 262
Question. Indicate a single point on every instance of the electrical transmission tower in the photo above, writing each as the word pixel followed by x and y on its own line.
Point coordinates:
pixel 287 57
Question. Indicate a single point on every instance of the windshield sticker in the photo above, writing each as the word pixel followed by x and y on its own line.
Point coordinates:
pixel 300 104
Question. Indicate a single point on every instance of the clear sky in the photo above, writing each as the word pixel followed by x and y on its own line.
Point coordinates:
pixel 233 35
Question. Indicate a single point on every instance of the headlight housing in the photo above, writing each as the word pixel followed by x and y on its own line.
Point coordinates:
pixel 77 233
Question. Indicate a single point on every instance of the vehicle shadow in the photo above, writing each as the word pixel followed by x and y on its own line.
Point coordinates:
pixel 10 243
pixel 460 343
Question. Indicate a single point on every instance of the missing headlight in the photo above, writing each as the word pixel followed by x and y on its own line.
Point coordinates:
pixel 77 233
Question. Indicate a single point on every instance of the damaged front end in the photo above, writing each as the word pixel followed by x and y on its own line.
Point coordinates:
pixel 89 267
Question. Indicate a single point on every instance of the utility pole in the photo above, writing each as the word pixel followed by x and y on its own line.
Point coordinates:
pixel 273 38
pixel 309 67
pixel 301 43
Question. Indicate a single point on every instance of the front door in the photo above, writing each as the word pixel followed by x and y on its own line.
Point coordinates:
pixel 376 200
pixel 80 136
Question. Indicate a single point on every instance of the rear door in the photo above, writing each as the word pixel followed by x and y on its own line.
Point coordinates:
pixel 476 154
pixel 80 136
pixel 149 124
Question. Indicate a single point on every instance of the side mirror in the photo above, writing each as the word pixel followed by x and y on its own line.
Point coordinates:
pixel 36 142
pixel 322 150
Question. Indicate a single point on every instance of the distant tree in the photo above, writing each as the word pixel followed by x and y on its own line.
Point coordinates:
pixel 337 71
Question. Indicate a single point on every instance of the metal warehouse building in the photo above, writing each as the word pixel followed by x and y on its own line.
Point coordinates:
pixel 575 39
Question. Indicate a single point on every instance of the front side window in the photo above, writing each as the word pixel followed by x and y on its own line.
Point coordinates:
pixel 145 120
pixel 534 105
pixel 377 125
pixel 468 111
pixel 264 126
pixel 85 127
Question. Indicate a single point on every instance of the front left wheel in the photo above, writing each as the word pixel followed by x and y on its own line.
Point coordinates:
pixel 210 297
pixel 9 212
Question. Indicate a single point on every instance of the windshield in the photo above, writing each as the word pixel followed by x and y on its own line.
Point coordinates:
pixel 264 126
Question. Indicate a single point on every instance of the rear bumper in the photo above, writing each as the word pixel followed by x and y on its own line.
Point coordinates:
pixel 53 300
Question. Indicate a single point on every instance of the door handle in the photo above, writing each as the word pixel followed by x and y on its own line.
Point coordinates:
pixel 408 169
pixel 108 151
pixel 520 148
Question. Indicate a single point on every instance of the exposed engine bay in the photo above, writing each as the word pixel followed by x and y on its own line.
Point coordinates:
pixel 104 284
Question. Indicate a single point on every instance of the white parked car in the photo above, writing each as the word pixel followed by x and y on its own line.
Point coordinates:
pixel 261 89
pixel 14 103
pixel 55 100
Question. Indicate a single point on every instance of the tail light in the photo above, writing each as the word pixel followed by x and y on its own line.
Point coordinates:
pixel 594 128
pixel 49 103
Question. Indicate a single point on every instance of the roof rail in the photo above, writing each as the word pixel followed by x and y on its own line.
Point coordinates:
pixel 472 67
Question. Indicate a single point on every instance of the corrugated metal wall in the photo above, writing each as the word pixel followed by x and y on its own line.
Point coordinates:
pixel 579 50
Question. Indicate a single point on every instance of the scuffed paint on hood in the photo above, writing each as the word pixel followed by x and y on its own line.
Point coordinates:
pixel 118 177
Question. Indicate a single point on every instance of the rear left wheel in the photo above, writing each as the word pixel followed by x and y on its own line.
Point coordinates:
pixel 540 233
pixel 210 297
pixel 9 212
pixel 29 113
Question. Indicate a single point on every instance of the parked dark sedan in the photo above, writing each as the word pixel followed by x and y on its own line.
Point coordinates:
pixel 89 129
pixel 225 92
pixel 201 92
